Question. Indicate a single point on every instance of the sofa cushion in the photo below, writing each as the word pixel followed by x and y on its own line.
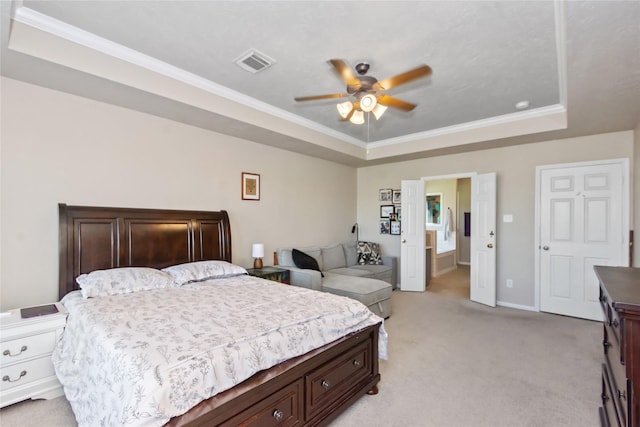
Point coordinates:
pixel 381 272
pixel 333 257
pixel 350 253
pixel 367 291
pixel 348 271
pixel 303 260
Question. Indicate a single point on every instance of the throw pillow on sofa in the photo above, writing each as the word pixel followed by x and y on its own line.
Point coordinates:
pixel 305 261
pixel 369 253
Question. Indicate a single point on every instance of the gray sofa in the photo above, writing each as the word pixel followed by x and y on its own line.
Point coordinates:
pixel 370 284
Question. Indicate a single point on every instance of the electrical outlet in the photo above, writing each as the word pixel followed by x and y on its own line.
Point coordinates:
pixel 509 283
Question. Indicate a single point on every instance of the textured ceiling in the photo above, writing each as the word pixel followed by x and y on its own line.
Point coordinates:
pixel 576 63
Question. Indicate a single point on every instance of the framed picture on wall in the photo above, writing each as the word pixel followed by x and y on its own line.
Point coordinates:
pixel 399 212
pixel 386 210
pixel 250 186
pixel 384 226
pixel 385 195
pixel 397 196
pixel 395 228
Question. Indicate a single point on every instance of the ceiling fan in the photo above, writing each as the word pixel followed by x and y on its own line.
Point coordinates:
pixel 368 91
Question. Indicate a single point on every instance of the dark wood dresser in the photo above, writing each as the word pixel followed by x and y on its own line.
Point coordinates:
pixel 620 299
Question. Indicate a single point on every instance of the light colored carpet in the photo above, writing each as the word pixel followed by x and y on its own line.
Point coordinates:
pixel 455 363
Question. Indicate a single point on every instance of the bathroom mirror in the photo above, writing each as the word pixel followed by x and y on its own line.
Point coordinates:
pixel 434 203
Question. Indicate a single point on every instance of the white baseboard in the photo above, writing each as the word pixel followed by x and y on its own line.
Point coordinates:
pixel 464 263
pixel 516 306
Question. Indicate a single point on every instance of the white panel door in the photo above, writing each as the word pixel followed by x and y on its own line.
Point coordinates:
pixel 483 239
pixel 412 237
pixel 581 225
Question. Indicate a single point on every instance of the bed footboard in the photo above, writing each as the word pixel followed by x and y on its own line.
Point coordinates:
pixel 310 390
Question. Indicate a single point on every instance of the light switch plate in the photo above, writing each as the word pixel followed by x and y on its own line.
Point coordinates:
pixel 507 218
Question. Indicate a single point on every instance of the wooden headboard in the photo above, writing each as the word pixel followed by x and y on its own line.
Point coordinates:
pixel 97 238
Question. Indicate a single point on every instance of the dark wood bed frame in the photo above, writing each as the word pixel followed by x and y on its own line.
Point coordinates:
pixel 309 390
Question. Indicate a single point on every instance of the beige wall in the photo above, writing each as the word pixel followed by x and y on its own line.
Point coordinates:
pixel 515 168
pixel 61 148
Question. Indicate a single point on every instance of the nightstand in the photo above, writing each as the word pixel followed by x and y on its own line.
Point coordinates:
pixel 26 346
pixel 271 273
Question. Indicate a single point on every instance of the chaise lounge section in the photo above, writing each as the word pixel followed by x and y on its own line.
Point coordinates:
pixel 344 270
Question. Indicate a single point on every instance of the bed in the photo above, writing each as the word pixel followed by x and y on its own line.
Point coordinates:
pixel 310 388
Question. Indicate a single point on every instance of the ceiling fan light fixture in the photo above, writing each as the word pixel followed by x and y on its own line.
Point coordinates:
pixel 357 118
pixel 344 108
pixel 368 103
pixel 378 111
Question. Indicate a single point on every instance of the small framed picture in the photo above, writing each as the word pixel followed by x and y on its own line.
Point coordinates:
pixel 399 212
pixel 250 186
pixel 384 226
pixel 397 196
pixel 386 195
pixel 386 210
pixel 395 228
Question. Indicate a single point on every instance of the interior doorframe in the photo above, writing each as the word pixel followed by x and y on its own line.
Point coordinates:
pixel 626 200
pixel 426 179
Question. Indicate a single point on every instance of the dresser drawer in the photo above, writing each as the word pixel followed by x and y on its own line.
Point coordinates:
pixel 325 384
pixel 24 348
pixel 26 372
pixel 283 408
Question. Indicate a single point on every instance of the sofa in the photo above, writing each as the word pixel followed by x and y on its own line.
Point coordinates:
pixel 348 269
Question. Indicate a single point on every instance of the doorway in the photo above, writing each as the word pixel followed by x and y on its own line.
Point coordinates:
pixel 449 260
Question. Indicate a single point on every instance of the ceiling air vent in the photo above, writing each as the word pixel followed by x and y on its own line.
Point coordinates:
pixel 254 61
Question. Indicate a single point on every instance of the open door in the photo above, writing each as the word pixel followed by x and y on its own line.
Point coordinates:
pixel 412 237
pixel 483 239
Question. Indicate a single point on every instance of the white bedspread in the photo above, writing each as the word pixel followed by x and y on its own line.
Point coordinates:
pixel 144 357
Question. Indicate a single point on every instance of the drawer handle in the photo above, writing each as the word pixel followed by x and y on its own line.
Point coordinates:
pixel 356 363
pixel 604 398
pixel 615 323
pixel 6 377
pixel 8 353
pixel 621 394
pixel 278 415
pixel 605 344
pixel 325 384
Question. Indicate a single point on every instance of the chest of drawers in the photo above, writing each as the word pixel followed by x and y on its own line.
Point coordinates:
pixel 26 345
pixel 620 300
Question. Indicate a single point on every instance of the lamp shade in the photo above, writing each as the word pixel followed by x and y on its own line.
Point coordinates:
pixel 357 118
pixel 257 250
pixel 379 110
pixel 368 103
pixel 344 108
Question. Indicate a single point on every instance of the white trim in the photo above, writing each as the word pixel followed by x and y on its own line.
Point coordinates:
pixel 464 263
pixel 516 306
pixel 561 49
pixel 474 125
pixel 624 162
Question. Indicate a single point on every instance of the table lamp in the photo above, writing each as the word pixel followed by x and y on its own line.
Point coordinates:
pixel 257 251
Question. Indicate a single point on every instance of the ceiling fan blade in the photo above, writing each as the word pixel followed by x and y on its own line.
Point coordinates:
pixel 390 101
pixel 329 96
pixel 345 72
pixel 400 79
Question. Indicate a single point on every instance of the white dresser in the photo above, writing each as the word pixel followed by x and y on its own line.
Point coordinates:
pixel 26 369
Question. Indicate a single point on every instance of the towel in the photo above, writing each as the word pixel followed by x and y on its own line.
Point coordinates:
pixel 448 220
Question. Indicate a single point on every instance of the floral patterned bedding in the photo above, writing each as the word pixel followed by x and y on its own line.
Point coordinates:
pixel 139 359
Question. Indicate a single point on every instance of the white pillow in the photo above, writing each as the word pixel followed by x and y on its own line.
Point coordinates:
pixel 203 270
pixel 123 280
